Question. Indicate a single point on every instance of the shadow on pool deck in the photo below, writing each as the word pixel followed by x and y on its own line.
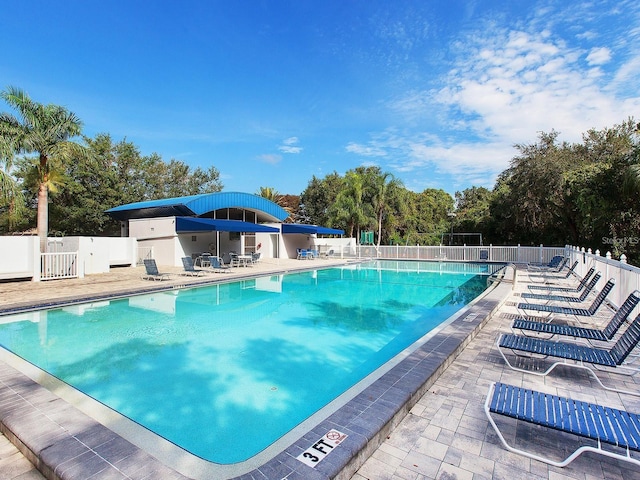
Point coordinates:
pixel 421 419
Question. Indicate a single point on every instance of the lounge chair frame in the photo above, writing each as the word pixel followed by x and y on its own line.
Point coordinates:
pixel 576 312
pixel 553 297
pixel 217 265
pixel 556 264
pixel 550 287
pixel 152 271
pixel 606 334
pixel 576 355
pixel 189 268
pixel 603 424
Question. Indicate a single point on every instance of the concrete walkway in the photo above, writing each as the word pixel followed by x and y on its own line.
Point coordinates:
pixel 445 436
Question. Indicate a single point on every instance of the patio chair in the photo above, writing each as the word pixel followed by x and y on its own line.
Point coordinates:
pixel 152 271
pixel 604 335
pixel 565 298
pixel 217 265
pixel 562 310
pixel 584 357
pixel 555 265
pixel 587 420
pixel 255 257
pixel 556 288
pixel 234 261
pixel 189 268
pixel 302 254
pixel 329 254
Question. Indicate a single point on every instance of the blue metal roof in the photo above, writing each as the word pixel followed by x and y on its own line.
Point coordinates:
pixel 309 229
pixel 196 205
pixel 190 224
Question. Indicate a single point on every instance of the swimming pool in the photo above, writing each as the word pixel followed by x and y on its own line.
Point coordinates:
pixel 256 356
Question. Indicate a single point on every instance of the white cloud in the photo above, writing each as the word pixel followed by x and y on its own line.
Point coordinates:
pixel 599 56
pixel 503 88
pixel 369 150
pixel 289 145
pixel 270 158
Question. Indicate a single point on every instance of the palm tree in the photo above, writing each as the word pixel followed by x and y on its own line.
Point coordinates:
pixel 349 208
pixel 386 188
pixel 11 195
pixel 272 194
pixel 44 130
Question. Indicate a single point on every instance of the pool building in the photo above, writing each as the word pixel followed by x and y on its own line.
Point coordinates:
pixel 219 223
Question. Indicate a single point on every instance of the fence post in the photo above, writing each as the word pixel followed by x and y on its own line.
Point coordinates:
pixel 37 259
pixel 541 253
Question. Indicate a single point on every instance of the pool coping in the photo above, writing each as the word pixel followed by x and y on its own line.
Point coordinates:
pixel 64 443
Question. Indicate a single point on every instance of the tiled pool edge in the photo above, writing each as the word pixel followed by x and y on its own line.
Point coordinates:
pixel 75 446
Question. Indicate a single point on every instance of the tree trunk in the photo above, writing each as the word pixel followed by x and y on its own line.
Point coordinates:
pixel 43 216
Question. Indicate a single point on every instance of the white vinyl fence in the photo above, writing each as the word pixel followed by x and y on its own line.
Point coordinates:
pixel 58 265
pixel 66 257
pixel 627 277
pixel 516 254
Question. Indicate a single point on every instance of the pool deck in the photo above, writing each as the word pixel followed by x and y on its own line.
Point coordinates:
pixel 423 418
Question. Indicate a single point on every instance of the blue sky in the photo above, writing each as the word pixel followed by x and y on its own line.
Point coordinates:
pixel 274 92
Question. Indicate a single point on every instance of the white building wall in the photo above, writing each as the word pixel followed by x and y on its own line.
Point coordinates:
pixel 19 257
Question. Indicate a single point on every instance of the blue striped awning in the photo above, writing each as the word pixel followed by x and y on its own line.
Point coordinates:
pixel 191 224
pixel 309 229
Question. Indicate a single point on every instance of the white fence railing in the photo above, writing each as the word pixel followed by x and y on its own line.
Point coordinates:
pixel 627 277
pixel 490 253
pixel 58 265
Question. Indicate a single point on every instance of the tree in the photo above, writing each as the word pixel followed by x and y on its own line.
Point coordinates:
pixel 274 196
pixel 425 217
pixel 319 195
pixel 112 174
pixel 385 196
pixel 473 210
pixel 349 210
pixel 45 130
pixel 12 202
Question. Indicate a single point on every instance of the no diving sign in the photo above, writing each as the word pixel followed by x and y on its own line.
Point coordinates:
pixel 323 447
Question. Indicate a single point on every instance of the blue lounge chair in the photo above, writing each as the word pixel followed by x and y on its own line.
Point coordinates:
pixel 189 268
pixel 217 266
pixel 602 424
pixel 581 355
pixel 565 298
pixel 583 312
pixel 555 288
pixel 152 271
pixel 604 335
pixel 556 264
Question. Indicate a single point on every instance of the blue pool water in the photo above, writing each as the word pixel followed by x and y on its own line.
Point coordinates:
pixel 225 370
